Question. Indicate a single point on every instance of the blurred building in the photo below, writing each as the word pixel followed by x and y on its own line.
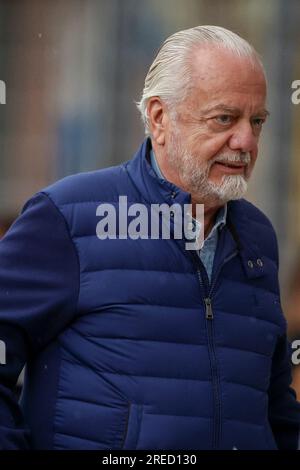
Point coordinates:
pixel 74 68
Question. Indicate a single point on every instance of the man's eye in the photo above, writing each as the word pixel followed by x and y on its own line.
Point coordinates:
pixel 258 122
pixel 224 119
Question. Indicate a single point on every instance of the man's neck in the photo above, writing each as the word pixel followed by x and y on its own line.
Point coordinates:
pixel 209 216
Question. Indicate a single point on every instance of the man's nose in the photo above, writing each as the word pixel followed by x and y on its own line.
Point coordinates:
pixel 243 138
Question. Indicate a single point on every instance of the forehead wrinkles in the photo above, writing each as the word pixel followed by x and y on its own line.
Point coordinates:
pixel 201 99
pixel 226 84
pixel 239 84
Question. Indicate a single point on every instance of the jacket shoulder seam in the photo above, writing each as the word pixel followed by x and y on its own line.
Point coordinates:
pixel 71 240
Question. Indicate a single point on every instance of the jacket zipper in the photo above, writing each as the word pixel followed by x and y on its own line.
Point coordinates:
pixel 209 315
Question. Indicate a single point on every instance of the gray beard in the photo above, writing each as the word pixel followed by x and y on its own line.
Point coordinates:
pixel 194 177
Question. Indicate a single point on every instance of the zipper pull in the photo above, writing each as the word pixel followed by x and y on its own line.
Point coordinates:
pixel 208 309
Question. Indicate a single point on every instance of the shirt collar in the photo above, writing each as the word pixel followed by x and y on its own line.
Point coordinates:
pixel 155 166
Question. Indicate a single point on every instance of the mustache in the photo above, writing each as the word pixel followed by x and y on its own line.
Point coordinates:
pixel 237 158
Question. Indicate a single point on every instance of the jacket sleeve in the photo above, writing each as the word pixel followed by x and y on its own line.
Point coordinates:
pixel 39 284
pixel 284 409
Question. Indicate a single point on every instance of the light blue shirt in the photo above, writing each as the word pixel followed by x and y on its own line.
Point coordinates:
pixel 207 252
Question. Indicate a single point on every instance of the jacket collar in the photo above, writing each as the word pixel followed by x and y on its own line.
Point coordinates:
pixel 153 189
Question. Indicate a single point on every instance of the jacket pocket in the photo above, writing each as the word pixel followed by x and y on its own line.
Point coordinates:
pixel 133 427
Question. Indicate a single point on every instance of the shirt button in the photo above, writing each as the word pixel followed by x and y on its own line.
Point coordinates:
pixel 259 262
pixel 171 213
pixel 250 264
pixel 173 194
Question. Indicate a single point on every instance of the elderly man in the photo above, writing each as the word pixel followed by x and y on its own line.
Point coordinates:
pixel 140 343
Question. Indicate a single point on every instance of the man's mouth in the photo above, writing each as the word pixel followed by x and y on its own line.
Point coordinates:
pixel 231 167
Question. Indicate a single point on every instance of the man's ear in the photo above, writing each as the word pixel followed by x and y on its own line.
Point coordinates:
pixel 157 119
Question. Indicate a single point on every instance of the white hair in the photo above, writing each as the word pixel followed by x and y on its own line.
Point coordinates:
pixel 169 75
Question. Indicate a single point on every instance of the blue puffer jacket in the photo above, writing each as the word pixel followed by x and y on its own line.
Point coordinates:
pixel 122 348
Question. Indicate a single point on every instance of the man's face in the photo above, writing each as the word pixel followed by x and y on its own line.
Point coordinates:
pixel 212 143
